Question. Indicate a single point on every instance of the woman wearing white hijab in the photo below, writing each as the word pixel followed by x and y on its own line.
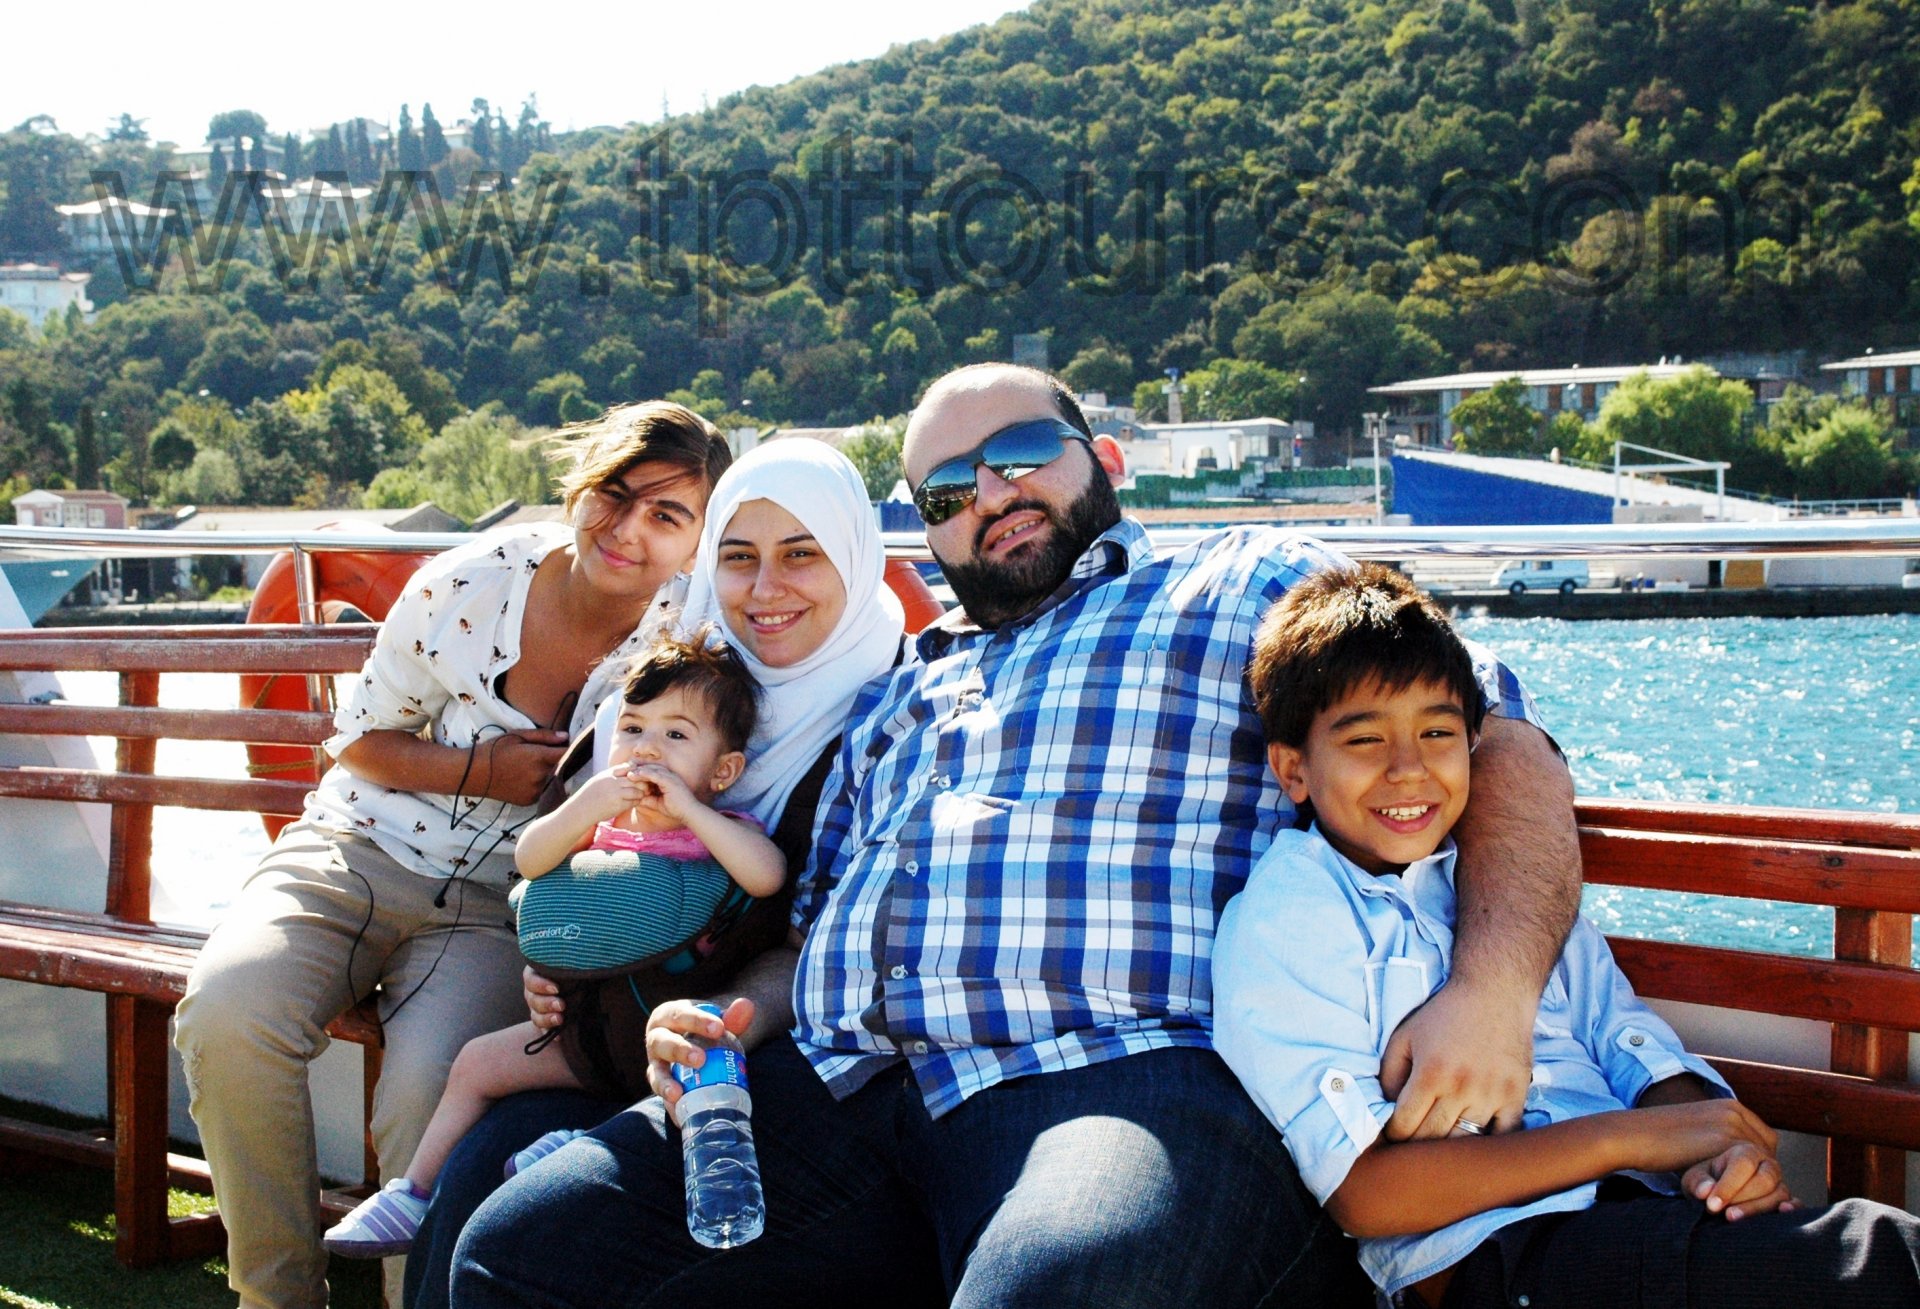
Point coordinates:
pixel 776 517
pixel 777 514
pixel 791 568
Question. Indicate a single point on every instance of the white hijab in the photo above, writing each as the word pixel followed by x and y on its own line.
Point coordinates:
pixel 804 705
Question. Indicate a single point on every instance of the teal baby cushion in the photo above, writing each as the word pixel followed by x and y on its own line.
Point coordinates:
pixel 607 912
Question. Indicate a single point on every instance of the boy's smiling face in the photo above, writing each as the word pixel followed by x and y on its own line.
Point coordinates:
pixel 1386 771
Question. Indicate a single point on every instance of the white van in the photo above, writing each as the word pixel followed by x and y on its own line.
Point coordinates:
pixel 1524 575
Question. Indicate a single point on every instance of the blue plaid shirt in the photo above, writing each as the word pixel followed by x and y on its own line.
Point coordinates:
pixel 1029 833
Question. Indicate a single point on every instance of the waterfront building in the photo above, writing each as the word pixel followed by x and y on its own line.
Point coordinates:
pixel 1420 411
pixel 37 292
pixel 96 509
pixel 1184 449
pixel 1890 383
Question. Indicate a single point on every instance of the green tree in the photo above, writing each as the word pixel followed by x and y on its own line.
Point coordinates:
pixel 411 156
pixel 480 134
pixel 478 461
pixel 128 128
pixel 1693 413
pixel 37 165
pixel 236 364
pixel 361 170
pixel 1498 421
pixel 86 449
pixel 433 141
pixel 35 444
pixel 1227 389
pixel 874 449
pixel 237 123
pixel 1847 455
pixel 1150 401
pixel 1339 342
pixel 549 397
pixel 348 428
pixel 1102 367
pixel 16 333
pixel 213 478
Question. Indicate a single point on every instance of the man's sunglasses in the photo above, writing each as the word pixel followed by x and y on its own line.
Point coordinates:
pixel 1010 452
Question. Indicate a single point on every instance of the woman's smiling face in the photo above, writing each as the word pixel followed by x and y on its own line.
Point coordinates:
pixel 781 595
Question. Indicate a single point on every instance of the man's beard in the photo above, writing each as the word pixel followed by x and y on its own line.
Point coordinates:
pixel 994 593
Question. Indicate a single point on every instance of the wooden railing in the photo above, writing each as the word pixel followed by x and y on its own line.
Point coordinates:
pixel 1867 868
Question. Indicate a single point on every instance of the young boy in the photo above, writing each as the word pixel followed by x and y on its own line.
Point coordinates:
pixel 688 710
pixel 1370 708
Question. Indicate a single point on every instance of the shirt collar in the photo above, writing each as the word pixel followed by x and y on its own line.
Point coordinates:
pixel 1120 549
pixel 1405 885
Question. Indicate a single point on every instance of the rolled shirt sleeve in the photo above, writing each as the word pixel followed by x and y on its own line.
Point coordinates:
pixel 1293 1018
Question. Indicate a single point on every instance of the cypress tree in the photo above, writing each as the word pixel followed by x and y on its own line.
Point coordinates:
pixel 361 169
pixel 480 139
pixel 86 450
pixel 412 157
pixel 433 141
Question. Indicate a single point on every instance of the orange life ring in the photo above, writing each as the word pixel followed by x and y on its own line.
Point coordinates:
pixel 916 597
pixel 349 588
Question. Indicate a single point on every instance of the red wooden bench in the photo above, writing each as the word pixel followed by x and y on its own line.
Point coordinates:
pixel 141 967
pixel 1867 867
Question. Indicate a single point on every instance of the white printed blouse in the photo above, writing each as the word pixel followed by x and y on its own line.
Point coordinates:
pixel 437 665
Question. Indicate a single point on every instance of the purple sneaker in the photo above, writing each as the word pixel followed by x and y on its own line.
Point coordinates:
pixel 521 1160
pixel 383 1224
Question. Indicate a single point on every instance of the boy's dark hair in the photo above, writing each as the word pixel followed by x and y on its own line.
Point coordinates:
pixel 1343 628
pixel 708 669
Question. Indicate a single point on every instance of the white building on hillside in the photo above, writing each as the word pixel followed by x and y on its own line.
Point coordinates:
pixel 37 292
pixel 314 206
pixel 91 224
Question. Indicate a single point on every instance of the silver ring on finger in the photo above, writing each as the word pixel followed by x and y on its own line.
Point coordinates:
pixel 1468 1126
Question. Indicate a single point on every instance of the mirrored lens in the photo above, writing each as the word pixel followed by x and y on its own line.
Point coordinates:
pixel 1011 453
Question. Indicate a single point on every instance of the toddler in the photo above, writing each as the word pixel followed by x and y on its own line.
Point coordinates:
pixel 687 713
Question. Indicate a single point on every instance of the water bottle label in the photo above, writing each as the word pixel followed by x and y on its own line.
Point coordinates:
pixel 724 1067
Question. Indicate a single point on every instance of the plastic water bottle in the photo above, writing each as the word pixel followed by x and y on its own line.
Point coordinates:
pixel 724 1205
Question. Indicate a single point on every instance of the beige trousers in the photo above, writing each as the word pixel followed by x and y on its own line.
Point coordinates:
pixel 274 973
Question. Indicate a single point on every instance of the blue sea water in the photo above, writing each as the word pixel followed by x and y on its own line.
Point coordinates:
pixel 1804 712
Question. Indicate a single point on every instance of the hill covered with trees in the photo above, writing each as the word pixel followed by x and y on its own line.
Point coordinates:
pixel 1288 200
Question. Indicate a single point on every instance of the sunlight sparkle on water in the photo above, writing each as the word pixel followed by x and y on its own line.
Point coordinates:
pixel 1806 713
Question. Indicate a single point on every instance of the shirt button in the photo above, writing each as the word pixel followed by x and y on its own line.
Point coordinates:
pixel 1636 1039
pixel 1339 1084
pixel 918 1047
pixel 899 972
pixel 913 865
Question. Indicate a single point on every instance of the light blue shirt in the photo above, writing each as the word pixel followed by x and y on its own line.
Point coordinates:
pixel 1316 963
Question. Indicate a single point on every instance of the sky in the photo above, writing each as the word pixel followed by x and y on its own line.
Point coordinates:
pixel 305 66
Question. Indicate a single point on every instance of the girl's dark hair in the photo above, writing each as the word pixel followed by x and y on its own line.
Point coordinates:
pixel 606 448
pixel 710 670
pixel 1343 628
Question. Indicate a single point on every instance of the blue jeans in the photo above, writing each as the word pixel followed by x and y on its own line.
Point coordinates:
pixel 1145 1181
pixel 473 1172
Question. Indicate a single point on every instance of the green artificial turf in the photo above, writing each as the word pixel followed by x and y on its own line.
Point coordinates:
pixel 56 1251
